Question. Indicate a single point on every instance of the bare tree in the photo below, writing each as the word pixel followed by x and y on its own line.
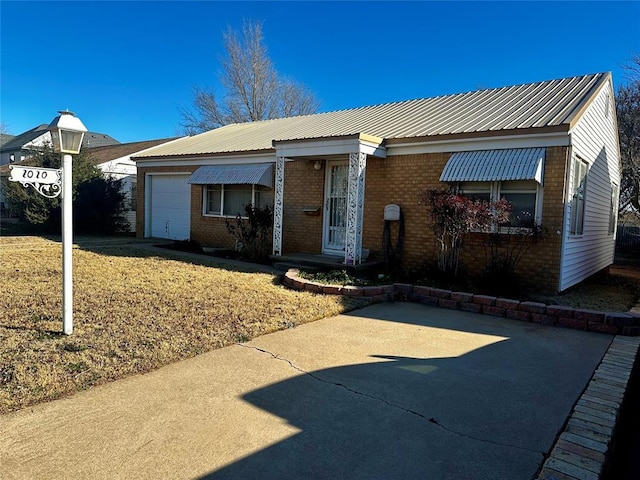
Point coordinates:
pixel 628 113
pixel 4 129
pixel 252 89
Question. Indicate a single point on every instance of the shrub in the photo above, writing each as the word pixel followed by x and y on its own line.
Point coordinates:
pixel 503 252
pixel 98 201
pixel 252 232
pixel 452 216
pixel 334 277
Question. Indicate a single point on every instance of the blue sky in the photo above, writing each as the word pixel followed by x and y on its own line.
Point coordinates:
pixel 131 65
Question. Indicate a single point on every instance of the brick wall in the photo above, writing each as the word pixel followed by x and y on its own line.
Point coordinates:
pixel 208 231
pixel 303 187
pixel 400 180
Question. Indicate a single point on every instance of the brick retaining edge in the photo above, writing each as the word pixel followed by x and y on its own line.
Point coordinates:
pixel 613 323
pixel 584 445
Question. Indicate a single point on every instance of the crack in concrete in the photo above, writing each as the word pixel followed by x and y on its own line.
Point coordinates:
pixel 392 405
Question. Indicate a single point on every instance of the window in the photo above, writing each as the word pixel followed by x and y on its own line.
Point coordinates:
pixel 477 190
pixel 523 195
pixel 613 213
pixel 578 191
pixel 229 200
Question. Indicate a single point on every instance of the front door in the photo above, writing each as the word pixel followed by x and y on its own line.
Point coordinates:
pixel 335 208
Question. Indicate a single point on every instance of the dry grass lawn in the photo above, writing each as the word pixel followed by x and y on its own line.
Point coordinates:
pixel 135 310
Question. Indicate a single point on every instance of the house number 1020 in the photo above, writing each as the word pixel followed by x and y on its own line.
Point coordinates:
pixel 35 174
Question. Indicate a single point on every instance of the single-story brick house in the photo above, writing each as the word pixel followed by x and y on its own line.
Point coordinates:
pixel 551 148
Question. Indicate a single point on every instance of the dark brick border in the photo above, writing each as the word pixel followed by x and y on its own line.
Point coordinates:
pixel 614 323
pixel 583 446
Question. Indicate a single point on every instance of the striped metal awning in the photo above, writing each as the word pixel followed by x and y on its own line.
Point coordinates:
pixel 495 165
pixel 252 174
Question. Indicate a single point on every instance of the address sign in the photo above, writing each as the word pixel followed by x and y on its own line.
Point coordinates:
pixel 46 181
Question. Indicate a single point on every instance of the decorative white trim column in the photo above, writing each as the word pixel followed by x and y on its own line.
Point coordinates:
pixel 277 206
pixel 355 208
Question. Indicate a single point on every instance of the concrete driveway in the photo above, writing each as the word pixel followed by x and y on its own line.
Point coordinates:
pixel 392 391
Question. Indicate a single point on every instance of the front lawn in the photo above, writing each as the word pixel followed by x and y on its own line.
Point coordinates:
pixel 135 310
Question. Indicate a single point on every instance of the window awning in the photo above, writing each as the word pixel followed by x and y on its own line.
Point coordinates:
pixel 257 173
pixel 495 165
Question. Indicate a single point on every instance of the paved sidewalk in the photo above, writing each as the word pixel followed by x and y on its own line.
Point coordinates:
pixel 396 390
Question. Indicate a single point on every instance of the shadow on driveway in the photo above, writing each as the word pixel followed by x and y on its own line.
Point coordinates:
pixel 491 412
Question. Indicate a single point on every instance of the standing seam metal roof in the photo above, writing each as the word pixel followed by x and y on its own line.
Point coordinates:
pixel 543 104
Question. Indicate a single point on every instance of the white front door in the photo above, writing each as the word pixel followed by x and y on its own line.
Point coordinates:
pixel 335 208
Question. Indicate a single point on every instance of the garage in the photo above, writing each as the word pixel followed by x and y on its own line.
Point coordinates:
pixel 168 201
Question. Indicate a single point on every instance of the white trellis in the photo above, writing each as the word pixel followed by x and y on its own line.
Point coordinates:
pixel 277 206
pixel 355 208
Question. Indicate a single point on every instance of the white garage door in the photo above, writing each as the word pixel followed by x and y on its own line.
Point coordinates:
pixel 170 206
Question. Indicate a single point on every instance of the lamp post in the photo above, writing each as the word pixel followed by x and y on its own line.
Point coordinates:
pixel 67 132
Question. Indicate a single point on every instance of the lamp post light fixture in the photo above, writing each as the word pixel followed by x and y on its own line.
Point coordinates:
pixel 67 132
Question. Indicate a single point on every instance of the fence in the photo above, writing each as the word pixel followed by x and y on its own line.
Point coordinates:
pixel 628 237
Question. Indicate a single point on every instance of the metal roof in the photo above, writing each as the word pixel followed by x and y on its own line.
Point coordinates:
pixel 552 103
pixel 495 165
pixel 253 174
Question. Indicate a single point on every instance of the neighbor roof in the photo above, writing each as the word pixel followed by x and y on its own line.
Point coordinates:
pixel 553 103
pixel 17 142
pixel 94 139
pixel 4 138
pixel 111 152
pixel 91 139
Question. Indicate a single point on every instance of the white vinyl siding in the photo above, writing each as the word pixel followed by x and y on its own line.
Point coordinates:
pixel 594 140
pixel 124 170
pixel 130 190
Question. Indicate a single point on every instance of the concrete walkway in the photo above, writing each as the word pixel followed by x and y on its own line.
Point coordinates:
pixel 393 391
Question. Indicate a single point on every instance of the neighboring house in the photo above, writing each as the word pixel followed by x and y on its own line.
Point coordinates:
pixel 19 148
pixel 115 161
pixel 551 148
pixel 5 137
